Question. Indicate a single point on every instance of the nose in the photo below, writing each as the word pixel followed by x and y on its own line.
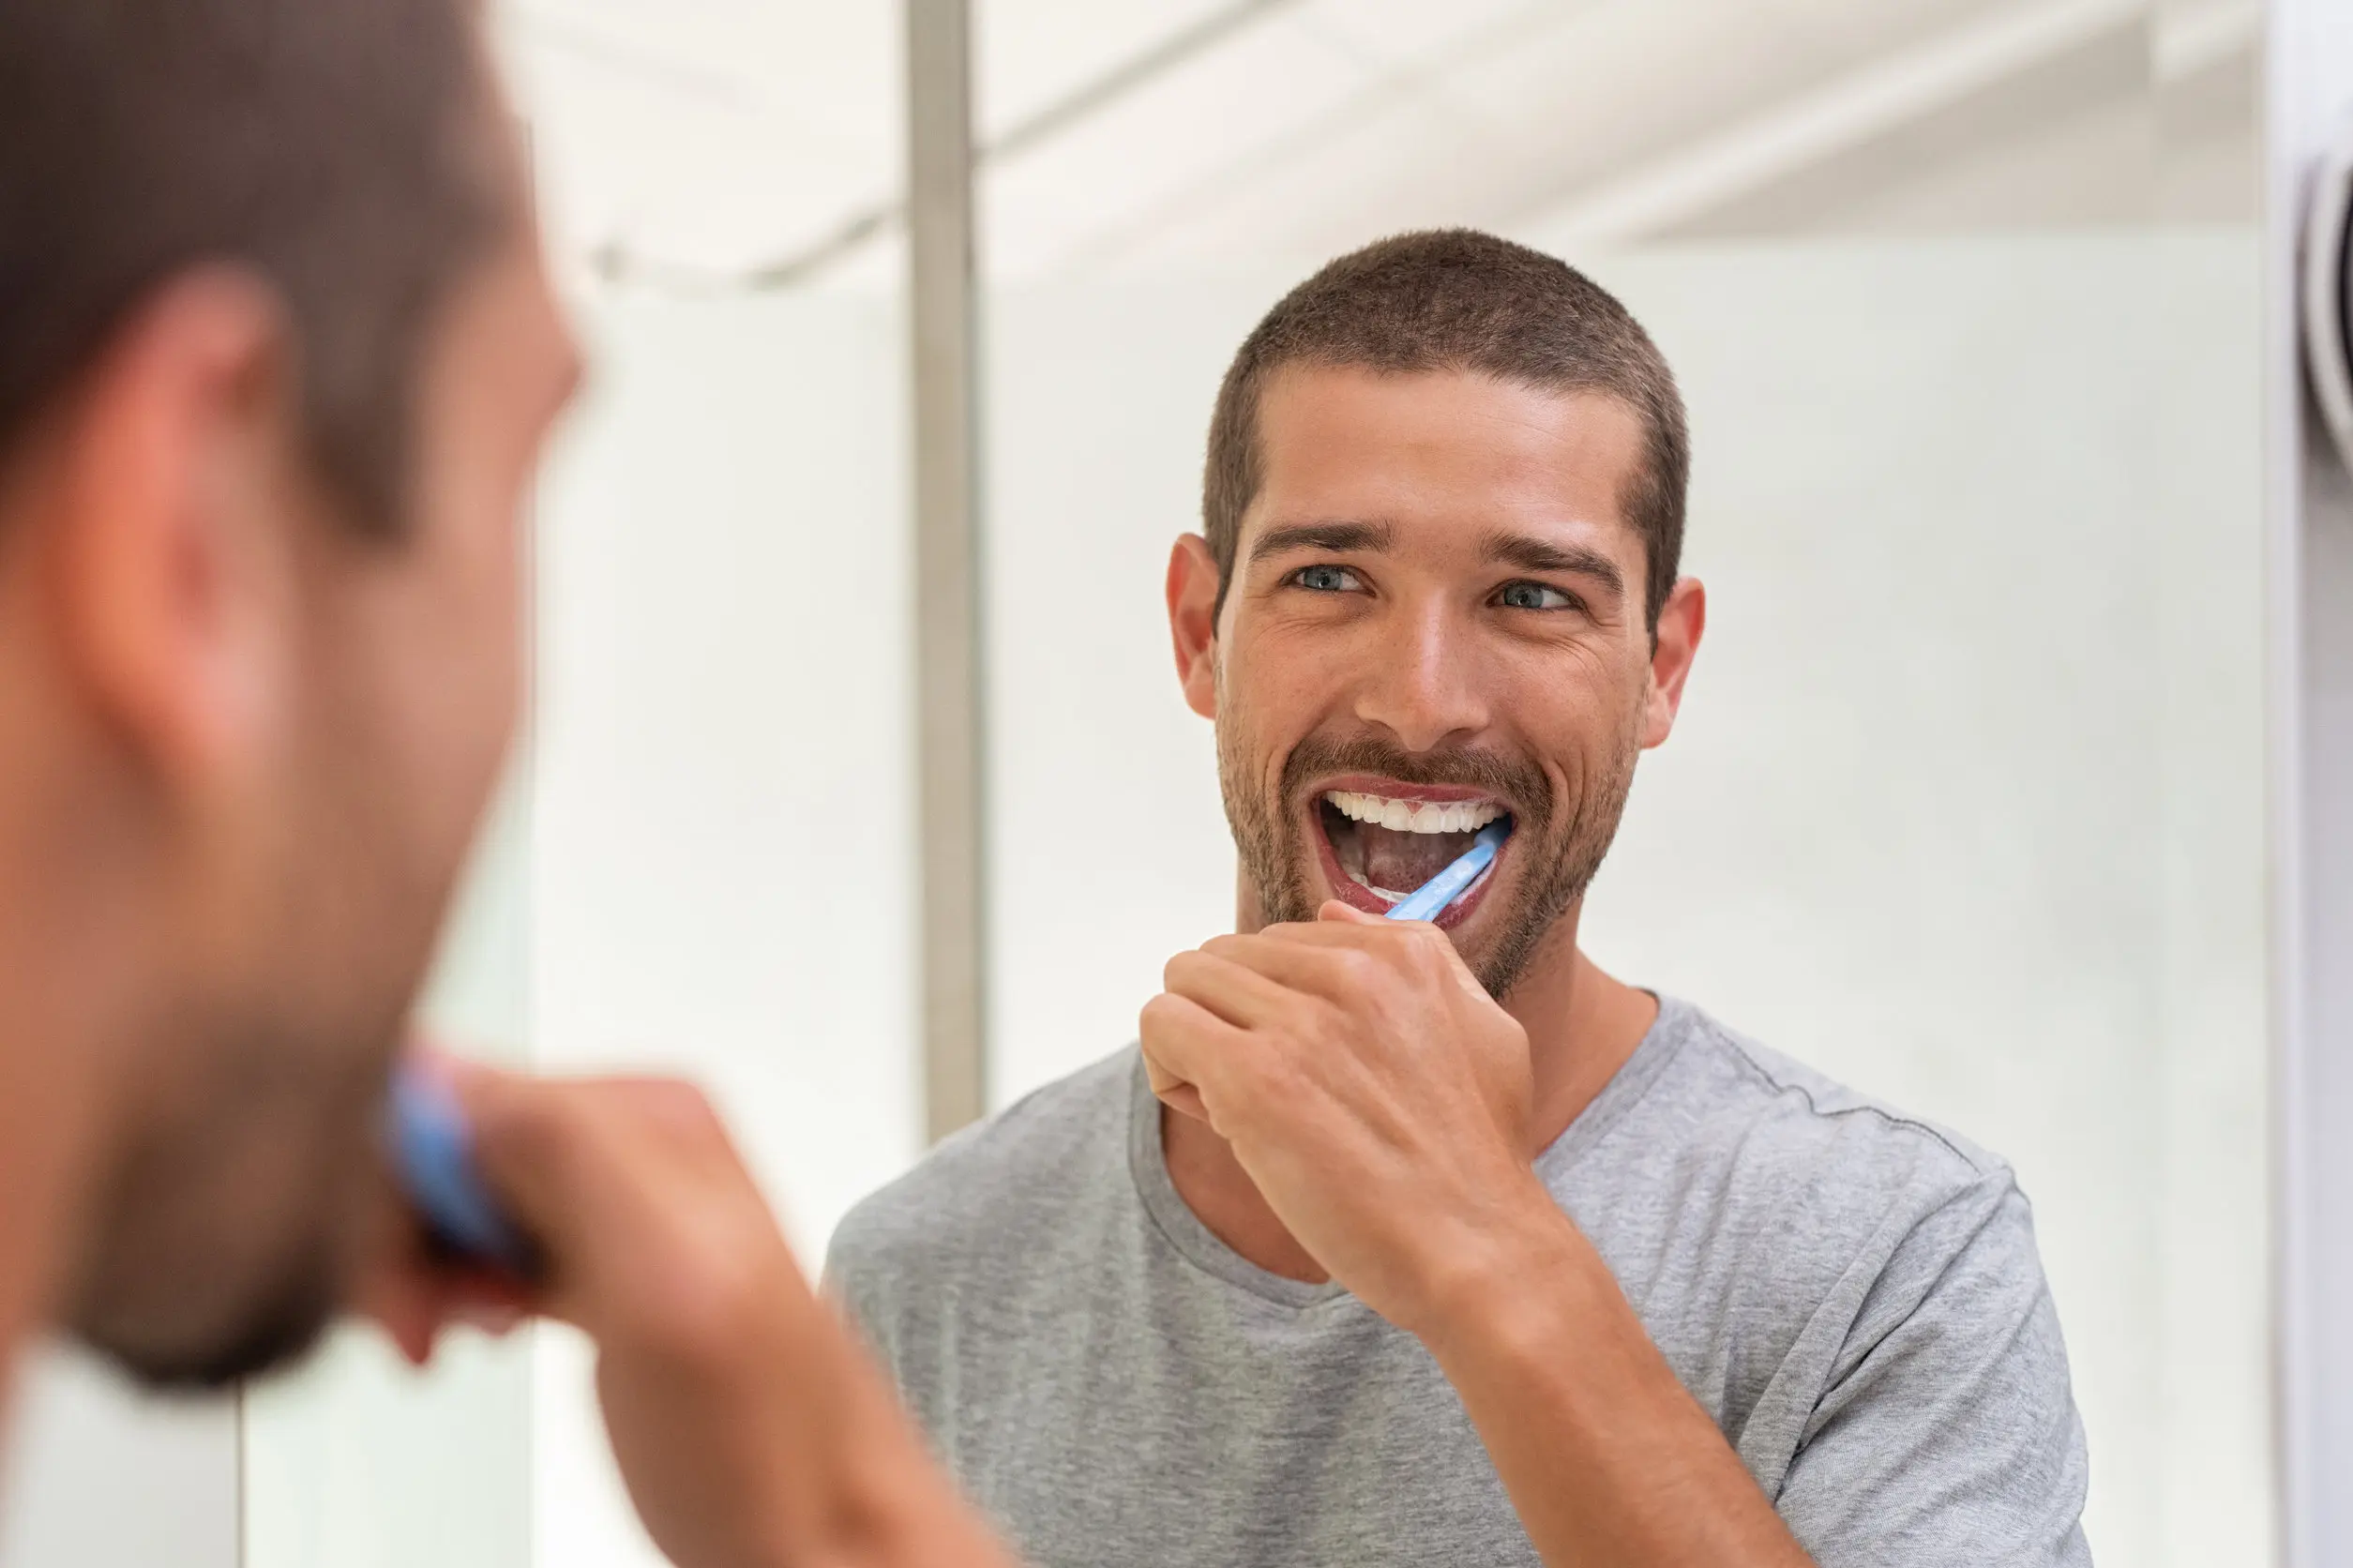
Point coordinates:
pixel 1420 681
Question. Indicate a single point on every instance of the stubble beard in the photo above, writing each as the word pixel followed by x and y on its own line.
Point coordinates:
pixel 213 1261
pixel 232 1232
pixel 1561 847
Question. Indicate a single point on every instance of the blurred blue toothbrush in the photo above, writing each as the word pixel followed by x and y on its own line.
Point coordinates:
pixel 1429 901
pixel 432 1154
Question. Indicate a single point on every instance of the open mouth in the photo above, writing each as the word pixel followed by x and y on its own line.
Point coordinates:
pixel 1380 843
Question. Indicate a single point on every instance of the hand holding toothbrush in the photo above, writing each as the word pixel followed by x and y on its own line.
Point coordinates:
pixel 749 1428
pixel 1374 1092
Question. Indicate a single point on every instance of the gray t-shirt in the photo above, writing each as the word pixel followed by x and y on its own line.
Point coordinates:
pixel 1854 1296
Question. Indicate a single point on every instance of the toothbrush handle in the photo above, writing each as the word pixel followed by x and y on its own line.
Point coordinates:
pixel 432 1152
pixel 1429 901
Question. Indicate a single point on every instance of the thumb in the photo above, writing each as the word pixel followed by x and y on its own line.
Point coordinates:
pixel 1347 915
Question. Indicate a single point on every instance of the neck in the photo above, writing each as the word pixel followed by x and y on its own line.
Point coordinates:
pixel 1582 1025
pixel 50 1142
pixel 64 1001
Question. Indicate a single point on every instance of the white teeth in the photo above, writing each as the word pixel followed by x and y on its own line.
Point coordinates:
pixel 1414 816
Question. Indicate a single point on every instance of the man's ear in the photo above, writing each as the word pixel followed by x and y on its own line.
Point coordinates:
pixel 174 568
pixel 1193 621
pixel 1682 623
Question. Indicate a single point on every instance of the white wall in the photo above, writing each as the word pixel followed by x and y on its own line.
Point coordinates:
pixel 1967 802
pixel 99 1475
pixel 723 870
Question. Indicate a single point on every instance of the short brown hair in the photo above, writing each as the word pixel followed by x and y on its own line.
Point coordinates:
pixel 335 148
pixel 1455 299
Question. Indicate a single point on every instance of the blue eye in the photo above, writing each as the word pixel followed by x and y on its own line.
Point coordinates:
pixel 1532 595
pixel 1326 580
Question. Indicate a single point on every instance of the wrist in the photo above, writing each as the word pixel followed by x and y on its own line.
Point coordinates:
pixel 906 1516
pixel 1508 1287
pixel 895 1509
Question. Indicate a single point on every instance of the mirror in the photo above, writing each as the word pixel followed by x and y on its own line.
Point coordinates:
pixel 1965 805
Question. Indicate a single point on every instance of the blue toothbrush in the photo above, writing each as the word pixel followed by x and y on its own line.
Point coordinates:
pixel 1429 901
pixel 432 1152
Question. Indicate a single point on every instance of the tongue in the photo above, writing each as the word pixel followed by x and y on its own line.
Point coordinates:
pixel 1402 862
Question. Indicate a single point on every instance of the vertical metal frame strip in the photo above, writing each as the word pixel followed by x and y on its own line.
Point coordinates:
pixel 2309 83
pixel 942 311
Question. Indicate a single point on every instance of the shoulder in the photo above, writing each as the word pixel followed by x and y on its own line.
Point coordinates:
pixel 1794 1186
pixel 1822 1225
pixel 1809 1133
pixel 983 1188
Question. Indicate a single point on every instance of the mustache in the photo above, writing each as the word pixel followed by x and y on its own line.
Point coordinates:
pixel 1518 782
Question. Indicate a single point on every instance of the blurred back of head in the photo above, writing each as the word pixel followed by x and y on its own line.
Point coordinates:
pixel 270 255
pixel 332 146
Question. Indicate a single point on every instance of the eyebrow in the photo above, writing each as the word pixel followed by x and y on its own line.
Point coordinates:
pixel 1520 551
pixel 1541 555
pixel 1340 539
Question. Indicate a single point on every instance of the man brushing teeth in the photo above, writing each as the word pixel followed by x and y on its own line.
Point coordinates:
pixel 1407 1242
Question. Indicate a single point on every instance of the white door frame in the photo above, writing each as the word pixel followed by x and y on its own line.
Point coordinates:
pixel 2310 512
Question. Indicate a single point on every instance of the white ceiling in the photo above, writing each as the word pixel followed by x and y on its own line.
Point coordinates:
pixel 698 138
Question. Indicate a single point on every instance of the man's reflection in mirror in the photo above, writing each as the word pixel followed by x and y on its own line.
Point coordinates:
pixel 1406 1243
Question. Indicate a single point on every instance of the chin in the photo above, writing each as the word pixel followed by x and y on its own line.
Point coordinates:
pixel 275 1333
pixel 173 1321
pixel 234 1230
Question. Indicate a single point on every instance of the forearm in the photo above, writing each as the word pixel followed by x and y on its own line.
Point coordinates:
pixel 1607 1456
pixel 891 1505
pixel 855 1483
pixel 746 1421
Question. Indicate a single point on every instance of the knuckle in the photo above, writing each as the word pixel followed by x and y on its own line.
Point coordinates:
pixel 666 1114
pixel 1277 1078
pixel 680 1106
pixel 1428 950
pixel 1329 1026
